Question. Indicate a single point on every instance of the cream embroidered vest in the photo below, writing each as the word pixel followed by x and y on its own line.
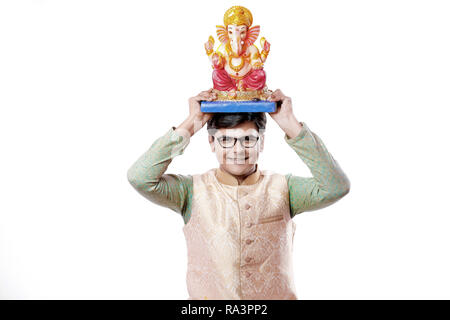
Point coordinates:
pixel 239 239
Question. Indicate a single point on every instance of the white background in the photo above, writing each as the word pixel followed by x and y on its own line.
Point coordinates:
pixel 87 86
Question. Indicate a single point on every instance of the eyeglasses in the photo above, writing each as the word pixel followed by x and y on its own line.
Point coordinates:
pixel 245 141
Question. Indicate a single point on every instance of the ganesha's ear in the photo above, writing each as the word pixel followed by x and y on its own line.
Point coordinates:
pixel 252 35
pixel 222 34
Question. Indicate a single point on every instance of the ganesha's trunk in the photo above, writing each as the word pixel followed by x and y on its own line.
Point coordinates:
pixel 236 45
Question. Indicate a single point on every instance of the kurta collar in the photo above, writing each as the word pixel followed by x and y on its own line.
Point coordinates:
pixel 226 178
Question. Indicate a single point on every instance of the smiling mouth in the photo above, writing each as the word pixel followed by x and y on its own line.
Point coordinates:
pixel 238 159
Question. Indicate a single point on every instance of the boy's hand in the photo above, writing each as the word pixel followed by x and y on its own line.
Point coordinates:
pixel 194 106
pixel 197 119
pixel 284 106
pixel 284 115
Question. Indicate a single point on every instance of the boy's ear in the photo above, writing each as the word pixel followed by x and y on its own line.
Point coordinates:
pixel 211 143
pixel 262 143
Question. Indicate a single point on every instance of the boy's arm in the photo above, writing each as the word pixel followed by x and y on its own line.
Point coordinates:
pixel 328 184
pixel 146 175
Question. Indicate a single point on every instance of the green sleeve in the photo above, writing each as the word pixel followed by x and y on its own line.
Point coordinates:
pixel 328 184
pixel 146 175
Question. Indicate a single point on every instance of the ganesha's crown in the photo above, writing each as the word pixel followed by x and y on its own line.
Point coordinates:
pixel 238 15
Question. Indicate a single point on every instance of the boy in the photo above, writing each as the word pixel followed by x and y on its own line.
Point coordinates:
pixel 238 219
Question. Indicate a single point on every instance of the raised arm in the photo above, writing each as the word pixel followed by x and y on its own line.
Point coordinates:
pixel 147 174
pixel 329 183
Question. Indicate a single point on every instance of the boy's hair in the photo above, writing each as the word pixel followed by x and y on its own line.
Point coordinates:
pixel 230 120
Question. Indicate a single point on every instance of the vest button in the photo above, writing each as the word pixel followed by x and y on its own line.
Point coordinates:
pixel 249 225
pixel 247 274
pixel 247 206
pixel 248 259
pixel 248 241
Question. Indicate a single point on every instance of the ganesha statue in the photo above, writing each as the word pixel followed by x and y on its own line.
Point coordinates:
pixel 237 63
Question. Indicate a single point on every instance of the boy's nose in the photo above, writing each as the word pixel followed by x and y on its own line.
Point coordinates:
pixel 238 146
pixel 239 150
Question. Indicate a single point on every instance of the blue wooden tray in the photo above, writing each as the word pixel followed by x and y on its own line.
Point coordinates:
pixel 237 106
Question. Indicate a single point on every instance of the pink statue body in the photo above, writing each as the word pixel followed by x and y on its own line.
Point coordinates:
pixel 238 64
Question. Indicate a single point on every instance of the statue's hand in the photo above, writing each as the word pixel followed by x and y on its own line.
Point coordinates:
pixel 210 44
pixel 265 44
pixel 216 61
pixel 257 65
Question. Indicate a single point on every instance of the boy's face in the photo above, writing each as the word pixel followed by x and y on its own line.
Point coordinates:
pixel 240 158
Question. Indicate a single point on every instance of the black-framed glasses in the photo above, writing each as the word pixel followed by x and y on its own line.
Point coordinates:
pixel 245 141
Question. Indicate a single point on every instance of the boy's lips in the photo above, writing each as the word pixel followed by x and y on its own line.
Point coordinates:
pixel 236 159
